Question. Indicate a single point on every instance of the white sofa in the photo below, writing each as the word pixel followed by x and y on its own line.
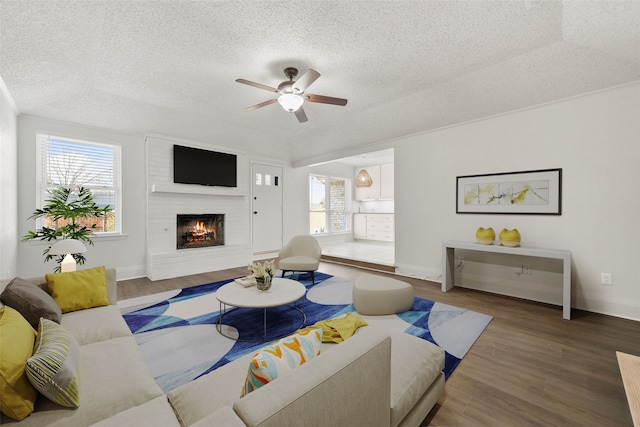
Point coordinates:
pixel 372 379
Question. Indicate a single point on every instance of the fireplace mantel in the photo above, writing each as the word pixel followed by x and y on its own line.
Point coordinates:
pixel 197 189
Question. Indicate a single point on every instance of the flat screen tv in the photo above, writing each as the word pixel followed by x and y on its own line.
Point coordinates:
pixel 204 167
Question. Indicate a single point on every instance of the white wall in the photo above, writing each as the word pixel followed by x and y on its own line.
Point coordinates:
pixel 8 185
pixel 126 254
pixel 593 138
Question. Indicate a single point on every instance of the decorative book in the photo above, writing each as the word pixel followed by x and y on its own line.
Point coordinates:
pixel 246 281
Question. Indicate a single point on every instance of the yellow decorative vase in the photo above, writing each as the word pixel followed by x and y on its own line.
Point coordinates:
pixel 510 238
pixel 486 236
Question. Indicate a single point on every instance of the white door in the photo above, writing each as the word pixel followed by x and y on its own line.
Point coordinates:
pixel 267 208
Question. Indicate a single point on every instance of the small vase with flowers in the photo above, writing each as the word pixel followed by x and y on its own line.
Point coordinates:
pixel 263 273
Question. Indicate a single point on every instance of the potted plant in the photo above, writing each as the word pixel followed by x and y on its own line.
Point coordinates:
pixel 70 213
pixel 263 273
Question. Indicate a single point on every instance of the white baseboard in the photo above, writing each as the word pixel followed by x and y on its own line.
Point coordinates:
pixel 419 272
pixel 131 272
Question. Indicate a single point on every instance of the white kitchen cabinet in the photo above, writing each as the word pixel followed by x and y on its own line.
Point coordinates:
pixel 373 192
pixel 380 227
pixel 371 226
pixel 359 226
pixel 386 181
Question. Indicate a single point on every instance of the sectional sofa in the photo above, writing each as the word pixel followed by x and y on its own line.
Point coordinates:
pixel 371 379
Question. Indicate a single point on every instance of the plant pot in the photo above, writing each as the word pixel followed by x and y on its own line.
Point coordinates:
pixel 263 283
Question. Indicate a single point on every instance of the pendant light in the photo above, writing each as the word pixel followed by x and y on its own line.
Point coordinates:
pixel 363 179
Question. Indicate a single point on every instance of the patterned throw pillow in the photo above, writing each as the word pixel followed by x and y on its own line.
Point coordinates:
pixel 54 367
pixel 279 358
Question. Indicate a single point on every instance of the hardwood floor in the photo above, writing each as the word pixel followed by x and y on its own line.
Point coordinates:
pixel 529 367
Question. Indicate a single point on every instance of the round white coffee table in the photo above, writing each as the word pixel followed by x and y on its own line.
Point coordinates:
pixel 282 292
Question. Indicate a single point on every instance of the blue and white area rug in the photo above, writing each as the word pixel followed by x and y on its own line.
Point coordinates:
pixel 177 335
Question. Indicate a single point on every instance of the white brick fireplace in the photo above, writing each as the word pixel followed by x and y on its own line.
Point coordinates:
pixel 165 200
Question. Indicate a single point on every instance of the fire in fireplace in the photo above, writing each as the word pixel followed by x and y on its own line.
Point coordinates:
pixel 199 231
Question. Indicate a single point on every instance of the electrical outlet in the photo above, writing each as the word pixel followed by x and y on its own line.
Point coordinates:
pixel 606 279
pixel 526 269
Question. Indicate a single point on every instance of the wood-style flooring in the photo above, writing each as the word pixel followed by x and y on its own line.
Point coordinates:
pixel 529 367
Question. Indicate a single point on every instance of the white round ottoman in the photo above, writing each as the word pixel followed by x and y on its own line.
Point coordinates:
pixel 379 295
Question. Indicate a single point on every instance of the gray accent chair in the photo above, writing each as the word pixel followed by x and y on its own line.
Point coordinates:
pixel 302 253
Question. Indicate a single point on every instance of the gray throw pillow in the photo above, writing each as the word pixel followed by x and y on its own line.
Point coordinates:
pixel 30 301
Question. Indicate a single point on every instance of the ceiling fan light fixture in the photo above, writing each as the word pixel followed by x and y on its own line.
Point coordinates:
pixel 290 101
pixel 292 93
pixel 363 179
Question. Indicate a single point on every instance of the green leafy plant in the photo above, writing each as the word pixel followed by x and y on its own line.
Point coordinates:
pixel 70 213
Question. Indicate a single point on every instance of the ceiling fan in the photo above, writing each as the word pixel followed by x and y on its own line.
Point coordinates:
pixel 292 94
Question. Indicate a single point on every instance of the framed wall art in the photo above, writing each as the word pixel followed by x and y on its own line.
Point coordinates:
pixel 536 192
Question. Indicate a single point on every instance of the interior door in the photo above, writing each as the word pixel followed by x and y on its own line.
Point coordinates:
pixel 266 208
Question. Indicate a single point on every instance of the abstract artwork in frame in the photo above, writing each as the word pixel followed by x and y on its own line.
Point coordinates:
pixel 536 192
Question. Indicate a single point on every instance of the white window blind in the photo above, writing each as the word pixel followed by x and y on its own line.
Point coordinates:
pixel 66 162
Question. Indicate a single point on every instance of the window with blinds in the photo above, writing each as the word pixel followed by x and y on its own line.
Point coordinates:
pixel 65 162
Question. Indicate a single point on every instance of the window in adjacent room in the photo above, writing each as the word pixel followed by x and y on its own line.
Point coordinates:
pixel 77 163
pixel 328 199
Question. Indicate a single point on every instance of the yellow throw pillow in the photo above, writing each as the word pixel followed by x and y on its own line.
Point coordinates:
pixel 16 346
pixel 77 290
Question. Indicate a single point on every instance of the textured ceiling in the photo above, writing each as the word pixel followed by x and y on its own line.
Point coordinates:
pixel 169 67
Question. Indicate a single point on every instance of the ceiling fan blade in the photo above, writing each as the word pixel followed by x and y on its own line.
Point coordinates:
pixel 305 81
pixel 262 104
pixel 300 114
pixel 258 85
pixel 325 99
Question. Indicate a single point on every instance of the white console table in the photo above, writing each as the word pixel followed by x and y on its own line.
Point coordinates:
pixel 448 264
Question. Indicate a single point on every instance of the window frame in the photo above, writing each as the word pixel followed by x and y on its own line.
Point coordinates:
pixel 42 137
pixel 328 204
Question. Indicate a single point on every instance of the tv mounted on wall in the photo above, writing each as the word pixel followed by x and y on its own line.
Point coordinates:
pixel 204 167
